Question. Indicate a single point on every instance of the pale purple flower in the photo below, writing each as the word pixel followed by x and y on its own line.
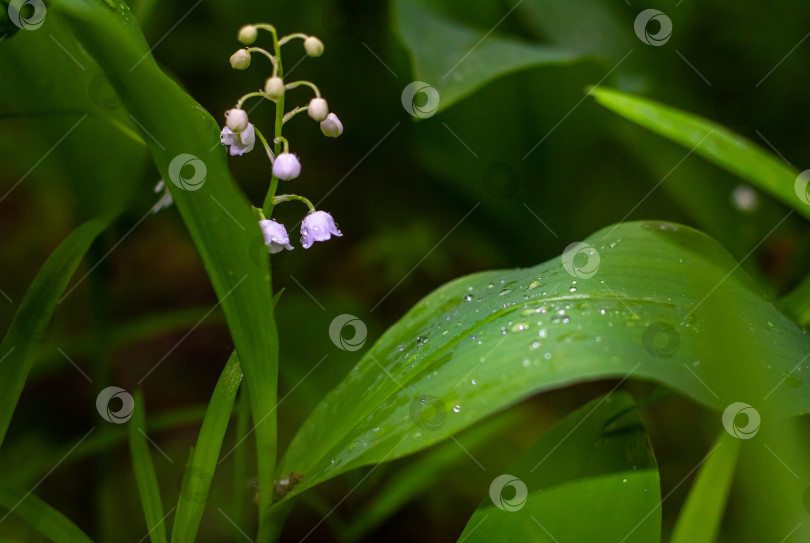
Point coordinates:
pixel 238 143
pixel 331 126
pixel 318 226
pixel 275 236
pixel 286 166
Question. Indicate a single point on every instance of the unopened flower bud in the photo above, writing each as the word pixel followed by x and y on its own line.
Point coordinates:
pixel 313 46
pixel 318 109
pixel 247 34
pixel 331 126
pixel 236 119
pixel 286 166
pixel 274 87
pixel 240 60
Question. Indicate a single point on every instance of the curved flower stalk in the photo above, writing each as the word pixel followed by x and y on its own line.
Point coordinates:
pixel 239 134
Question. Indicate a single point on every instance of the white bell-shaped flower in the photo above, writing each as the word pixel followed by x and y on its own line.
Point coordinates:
pixel 240 60
pixel 313 46
pixel 286 166
pixel 331 126
pixel 318 226
pixel 238 143
pixel 318 109
pixel 236 119
pixel 275 236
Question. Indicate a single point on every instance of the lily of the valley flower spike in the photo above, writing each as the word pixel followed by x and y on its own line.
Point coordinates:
pixel 275 236
pixel 318 226
pixel 238 143
pixel 240 135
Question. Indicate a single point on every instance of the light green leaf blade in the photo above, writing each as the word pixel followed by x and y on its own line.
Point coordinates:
pixel 592 477
pixel 217 214
pixel 481 343
pixel 199 472
pixel 40 516
pixel 714 143
pixel 145 475
pixel 31 319
pixel 700 518
pixel 456 59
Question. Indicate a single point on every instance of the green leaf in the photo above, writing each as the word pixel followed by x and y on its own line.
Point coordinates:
pixel 217 214
pixel 32 316
pixel 40 516
pixel 661 305
pixel 700 518
pixel 200 469
pixel 592 477
pixel 711 141
pixel 145 475
pixel 456 60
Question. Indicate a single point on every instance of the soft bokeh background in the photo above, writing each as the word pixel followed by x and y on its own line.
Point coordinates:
pixel 399 190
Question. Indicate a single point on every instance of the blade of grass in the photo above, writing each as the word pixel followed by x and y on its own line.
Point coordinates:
pixel 145 475
pixel 200 470
pixel 700 518
pixel 710 140
pixel 31 319
pixel 41 516
pixel 239 461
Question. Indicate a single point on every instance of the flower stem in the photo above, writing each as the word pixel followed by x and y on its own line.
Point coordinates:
pixel 267 148
pixel 278 70
pixel 313 86
pixel 292 113
pixel 280 199
pixel 290 37
pixel 262 51
pixel 248 95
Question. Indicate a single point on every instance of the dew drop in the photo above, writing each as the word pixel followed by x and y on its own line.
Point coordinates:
pixel 457 409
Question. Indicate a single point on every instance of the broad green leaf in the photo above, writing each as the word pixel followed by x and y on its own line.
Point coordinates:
pixel 145 476
pixel 797 302
pixel 592 477
pixel 714 143
pixel 40 516
pixel 700 518
pixel 648 300
pixel 31 319
pixel 456 60
pixel 199 472
pixel 183 136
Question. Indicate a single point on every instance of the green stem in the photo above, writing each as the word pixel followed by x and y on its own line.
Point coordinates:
pixel 239 459
pixel 294 112
pixel 290 37
pixel 265 53
pixel 293 197
pixel 268 200
pixel 249 95
pixel 269 151
pixel 313 86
